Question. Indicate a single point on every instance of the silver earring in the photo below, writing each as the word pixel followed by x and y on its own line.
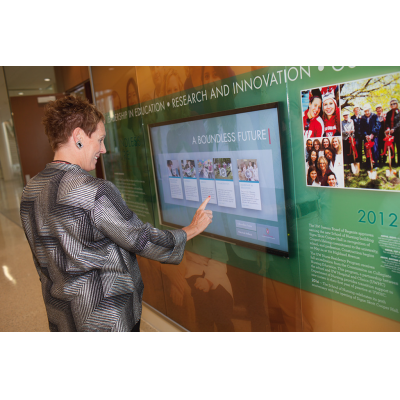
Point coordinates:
pixel 79 144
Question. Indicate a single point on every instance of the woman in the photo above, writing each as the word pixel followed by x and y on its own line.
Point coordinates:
pixel 173 83
pixel 83 237
pixel 326 144
pixel 331 114
pixel 323 171
pixel 335 165
pixel 132 93
pixel 312 161
pixel 337 148
pixel 331 157
pixel 316 146
pixel 312 122
pixel 212 74
pixel 312 177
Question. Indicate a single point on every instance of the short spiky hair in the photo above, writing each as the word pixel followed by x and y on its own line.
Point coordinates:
pixel 64 115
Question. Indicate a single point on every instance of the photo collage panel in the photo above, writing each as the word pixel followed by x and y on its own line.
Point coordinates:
pixel 351 134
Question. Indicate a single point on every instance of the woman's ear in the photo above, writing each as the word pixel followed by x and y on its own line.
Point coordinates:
pixel 78 134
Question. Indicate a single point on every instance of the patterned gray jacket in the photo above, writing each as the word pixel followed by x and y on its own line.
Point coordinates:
pixel 84 239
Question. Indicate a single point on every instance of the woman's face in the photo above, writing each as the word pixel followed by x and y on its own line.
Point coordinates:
pixel 132 95
pixel 322 165
pixel 316 145
pixel 313 156
pixel 325 143
pixel 172 85
pixel 315 107
pixel 335 143
pixel 313 175
pixel 328 155
pixel 210 75
pixel 329 107
pixel 92 148
pixel 157 74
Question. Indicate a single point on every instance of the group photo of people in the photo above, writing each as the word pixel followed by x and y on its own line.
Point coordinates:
pixel 188 168
pixel 324 161
pixel 206 169
pixel 351 134
pixel 371 132
pixel 223 168
pixel 248 170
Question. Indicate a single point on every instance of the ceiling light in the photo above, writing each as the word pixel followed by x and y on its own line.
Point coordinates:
pixel 47 79
pixel 20 93
pixel 111 69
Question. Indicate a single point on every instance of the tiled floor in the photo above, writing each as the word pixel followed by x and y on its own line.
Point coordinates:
pixel 21 303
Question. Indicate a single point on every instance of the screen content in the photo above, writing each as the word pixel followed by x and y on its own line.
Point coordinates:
pixel 234 157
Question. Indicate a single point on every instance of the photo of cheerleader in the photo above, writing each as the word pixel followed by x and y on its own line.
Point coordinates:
pixel 248 170
pixel 331 111
pixel 313 125
pixel 205 169
pixel 188 169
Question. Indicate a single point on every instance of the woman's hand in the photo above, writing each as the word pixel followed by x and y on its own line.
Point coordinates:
pixel 201 220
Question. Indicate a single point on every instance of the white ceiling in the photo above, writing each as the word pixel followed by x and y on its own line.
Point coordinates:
pixel 30 80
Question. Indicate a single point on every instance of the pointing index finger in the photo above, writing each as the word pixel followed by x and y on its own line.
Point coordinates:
pixel 204 203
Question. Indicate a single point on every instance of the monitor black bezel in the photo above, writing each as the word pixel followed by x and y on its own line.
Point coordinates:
pixel 274 105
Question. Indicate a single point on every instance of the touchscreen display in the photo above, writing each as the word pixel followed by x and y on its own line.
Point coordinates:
pixel 234 157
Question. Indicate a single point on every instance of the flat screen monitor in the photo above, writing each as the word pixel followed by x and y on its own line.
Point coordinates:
pixel 234 157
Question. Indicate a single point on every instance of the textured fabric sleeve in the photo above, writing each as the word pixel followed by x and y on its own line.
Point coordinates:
pixel 115 220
